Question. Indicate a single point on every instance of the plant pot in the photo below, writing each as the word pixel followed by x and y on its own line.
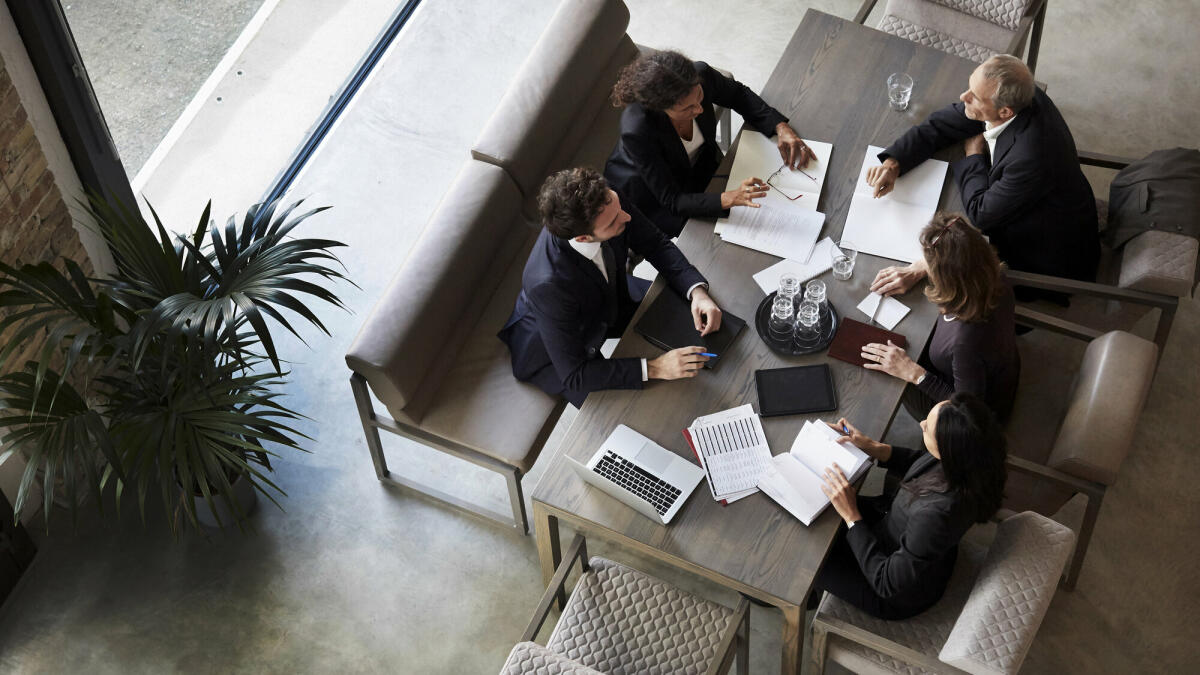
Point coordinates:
pixel 243 493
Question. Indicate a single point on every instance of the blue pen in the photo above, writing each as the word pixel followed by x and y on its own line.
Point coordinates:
pixel 709 355
pixel 845 430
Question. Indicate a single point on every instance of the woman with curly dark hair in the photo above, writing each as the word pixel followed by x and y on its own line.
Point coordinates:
pixel 668 153
pixel 895 558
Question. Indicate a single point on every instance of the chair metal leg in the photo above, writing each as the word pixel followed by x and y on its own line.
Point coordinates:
pixel 1035 39
pixel 1084 539
pixel 1165 318
pixel 518 500
pixel 366 415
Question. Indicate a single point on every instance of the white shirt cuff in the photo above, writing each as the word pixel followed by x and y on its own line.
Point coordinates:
pixel 689 292
pixel 645 373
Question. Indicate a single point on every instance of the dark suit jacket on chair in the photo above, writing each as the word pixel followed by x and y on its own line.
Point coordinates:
pixel 1031 199
pixel 566 310
pixel 651 168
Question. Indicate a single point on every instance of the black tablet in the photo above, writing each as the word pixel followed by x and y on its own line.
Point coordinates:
pixel 794 391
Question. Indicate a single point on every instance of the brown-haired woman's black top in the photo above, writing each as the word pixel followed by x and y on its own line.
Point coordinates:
pixel 650 167
pixel 979 357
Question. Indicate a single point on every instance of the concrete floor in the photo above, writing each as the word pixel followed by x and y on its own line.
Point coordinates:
pixel 357 577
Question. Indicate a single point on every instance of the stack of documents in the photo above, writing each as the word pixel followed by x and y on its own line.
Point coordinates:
pixel 780 226
pixel 794 479
pixel 732 449
pixel 889 226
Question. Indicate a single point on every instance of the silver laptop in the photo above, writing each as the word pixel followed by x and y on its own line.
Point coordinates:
pixel 652 480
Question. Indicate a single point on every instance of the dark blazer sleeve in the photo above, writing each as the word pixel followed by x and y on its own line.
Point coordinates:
pixel 992 207
pixel 929 536
pixel 944 127
pixel 730 93
pixel 901 459
pixel 641 142
pixel 559 317
pixel 969 374
pixel 649 242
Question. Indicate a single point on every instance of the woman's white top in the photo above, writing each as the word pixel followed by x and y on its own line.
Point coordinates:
pixel 692 147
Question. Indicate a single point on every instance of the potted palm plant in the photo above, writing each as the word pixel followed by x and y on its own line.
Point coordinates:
pixel 163 380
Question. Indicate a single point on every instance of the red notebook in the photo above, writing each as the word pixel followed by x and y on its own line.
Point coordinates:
pixel 852 335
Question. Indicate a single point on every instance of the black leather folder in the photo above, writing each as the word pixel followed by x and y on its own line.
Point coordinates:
pixel 667 324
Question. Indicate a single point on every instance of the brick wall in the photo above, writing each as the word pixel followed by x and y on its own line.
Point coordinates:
pixel 35 222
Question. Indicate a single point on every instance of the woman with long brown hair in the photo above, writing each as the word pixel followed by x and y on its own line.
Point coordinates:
pixel 973 347
pixel 667 153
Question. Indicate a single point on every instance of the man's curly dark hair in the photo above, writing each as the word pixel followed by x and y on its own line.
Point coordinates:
pixel 657 81
pixel 570 201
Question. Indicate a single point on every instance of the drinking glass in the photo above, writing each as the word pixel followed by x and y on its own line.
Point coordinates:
pixel 806 332
pixel 789 287
pixel 899 86
pixel 780 325
pixel 843 260
pixel 815 290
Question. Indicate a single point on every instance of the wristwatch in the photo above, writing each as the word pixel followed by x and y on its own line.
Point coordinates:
pixel 920 379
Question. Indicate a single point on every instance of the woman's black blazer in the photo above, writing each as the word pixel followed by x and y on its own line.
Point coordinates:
pixel 649 165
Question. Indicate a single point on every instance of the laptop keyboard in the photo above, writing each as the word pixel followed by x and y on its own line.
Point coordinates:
pixel 637 480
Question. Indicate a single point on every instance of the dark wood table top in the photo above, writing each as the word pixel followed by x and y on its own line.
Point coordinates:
pixel 830 82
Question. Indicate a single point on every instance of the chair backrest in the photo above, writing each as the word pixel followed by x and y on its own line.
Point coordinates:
pixel 1006 13
pixel 1010 597
pixel 530 658
pixel 1105 404
pixel 558 91
pixel 469 241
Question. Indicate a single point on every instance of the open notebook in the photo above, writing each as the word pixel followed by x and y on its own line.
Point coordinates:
pixel 794 478
pixel 890 226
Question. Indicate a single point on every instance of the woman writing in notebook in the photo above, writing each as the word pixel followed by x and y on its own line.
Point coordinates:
pixel 668 153
pixel 973 347
pixel 895 558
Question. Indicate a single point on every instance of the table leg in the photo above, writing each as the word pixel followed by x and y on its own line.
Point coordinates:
pixel 549 551
pixel 793 639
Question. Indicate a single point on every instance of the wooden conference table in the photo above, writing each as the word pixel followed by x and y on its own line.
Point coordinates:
pixel 831 83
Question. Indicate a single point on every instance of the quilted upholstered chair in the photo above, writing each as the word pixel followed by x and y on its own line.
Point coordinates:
pixel 621 621
pixel 1094 432
pixel 985 622
pixel 973 29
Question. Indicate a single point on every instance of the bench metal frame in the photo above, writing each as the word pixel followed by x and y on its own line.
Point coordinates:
pixel 372 422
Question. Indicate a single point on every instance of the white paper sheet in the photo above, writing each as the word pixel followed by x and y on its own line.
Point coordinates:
pixel 886 311
pixel 818 263
pixel 758 157
pixel 733 451
pixel 890 225
pixel 787 234
pixel 816 447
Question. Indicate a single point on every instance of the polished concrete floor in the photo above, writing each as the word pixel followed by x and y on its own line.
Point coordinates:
pixel 356 577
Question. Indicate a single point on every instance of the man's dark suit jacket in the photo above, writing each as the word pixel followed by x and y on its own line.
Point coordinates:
pixel 906 548
pixel 566 310
pixel 651 168
pixel 1031 199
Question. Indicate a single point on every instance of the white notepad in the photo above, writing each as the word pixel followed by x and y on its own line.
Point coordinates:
pixel 890 226
pixel 819 262
pixel 886 311
pixel 794 478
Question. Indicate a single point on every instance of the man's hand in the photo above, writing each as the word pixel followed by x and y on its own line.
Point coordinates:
pixel 883 177
pixel 974 145
pixel 891 359
pixel 899 280
pixel 752 188
pixel 676 364
pixel 705 313
pixel 795 152
pixel 841 494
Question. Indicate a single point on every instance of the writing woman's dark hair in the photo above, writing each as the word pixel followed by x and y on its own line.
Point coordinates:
pixel 971 443
pixel 570 201
pixel 656 80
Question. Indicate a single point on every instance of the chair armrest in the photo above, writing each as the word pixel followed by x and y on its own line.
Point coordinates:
pixel 881 644
pixel 864 11
pixel 1104 161
pixel 1090 288
pixel 720 658
pixel 577 549
pixel 1087 487
pixel 1035 319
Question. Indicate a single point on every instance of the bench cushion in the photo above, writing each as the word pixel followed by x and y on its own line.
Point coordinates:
pixel 557 93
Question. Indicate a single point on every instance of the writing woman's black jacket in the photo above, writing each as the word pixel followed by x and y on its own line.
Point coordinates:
pixel 651 168
pixel 906 549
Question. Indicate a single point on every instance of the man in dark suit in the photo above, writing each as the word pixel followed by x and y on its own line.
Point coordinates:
pixel 575 293
pixel 1020 179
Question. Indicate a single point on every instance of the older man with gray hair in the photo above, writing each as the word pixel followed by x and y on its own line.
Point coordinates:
pixel 1020 179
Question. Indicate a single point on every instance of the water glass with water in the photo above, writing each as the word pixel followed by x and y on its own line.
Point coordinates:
pixel 899 86
pixel 844 255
